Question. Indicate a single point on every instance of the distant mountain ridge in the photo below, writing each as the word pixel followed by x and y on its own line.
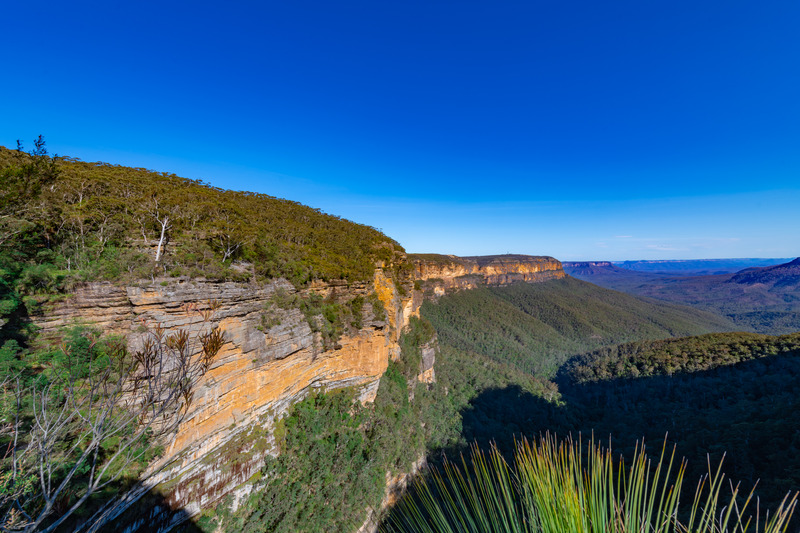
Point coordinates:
pixel 762 299
pixel 787 274
pixel 696 267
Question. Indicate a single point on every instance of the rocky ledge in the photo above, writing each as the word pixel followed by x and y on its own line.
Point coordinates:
pixel 449 272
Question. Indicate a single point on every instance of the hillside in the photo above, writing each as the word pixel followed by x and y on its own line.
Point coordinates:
pixel 111 276
pixel 765 299
pixel 90 221
pixel 783 275
pixel 538 326
pixel 732 393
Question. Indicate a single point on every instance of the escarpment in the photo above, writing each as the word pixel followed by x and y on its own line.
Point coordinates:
pixel 275 353
pixel 440 273
pixel 277 350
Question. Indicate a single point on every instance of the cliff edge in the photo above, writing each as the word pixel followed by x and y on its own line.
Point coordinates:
pixel 440 273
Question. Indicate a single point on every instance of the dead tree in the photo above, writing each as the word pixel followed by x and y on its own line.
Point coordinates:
pixel 89 420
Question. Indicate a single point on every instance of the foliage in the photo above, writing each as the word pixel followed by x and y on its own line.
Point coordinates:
pixel 558 487
pixel 463 406
pixel 721 393
pixel 714 394
pixel 81 420
pixel 378 309
pixel 101 221
pixel 537 326
pixel 326 474
pixel 416 334
pixel 671 356
pixel 329 317
pixel 336 453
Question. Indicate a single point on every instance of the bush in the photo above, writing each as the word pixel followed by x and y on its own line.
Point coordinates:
pixel 560 487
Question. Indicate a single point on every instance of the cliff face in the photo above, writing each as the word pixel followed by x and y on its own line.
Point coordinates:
pixel 271 359
pixel 263 368
pixel 444 272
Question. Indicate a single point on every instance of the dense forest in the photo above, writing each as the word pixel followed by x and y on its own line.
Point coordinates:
pixel 732 394
pixel 709 395
pixel 538 326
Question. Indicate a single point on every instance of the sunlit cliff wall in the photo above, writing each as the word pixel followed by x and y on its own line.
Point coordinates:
pixel 449 272
pixel 259 373
pixel 265 366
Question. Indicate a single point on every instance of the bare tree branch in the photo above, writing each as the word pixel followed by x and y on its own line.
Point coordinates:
pixel 90 420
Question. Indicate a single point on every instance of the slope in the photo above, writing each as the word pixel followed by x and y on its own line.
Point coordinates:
pixel 101 221
pixel 538 326
pixel 765 300
pixel 731 393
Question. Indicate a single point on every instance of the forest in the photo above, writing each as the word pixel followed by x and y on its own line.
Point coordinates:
pixel 64 221
pixel 563 357
pixel 538 326
pixel 717 396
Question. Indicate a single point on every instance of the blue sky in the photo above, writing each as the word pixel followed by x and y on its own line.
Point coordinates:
pixel 582 130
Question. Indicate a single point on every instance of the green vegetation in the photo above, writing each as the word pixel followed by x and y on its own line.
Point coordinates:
pixel 713 394
pixel 324 315
pixel 671 356
pixel 327 473
pixel 478 399
pixel 335 454
pixel 558 487
pixel 765 300
pixel 438 259
pixel 81 421
pixel 731 393
pixel 537 326
pixel 63 221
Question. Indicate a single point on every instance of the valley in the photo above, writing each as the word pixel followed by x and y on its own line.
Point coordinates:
pixel 323 372
pixel 759 299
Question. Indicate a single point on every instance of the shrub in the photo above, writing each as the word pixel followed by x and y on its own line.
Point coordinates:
pixel 558 487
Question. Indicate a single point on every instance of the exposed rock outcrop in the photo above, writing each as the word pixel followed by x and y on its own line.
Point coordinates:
pixel 271 359
pixel 263 368
pixel 447 272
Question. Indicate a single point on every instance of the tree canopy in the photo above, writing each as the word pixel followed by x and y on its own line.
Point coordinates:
pixel 102 221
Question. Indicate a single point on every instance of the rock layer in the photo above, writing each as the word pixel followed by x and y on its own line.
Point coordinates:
pixel 449 272
pixel 262 369
pixel 266 364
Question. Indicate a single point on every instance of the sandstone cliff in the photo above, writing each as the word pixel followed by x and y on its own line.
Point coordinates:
pixel 271 359
pixel 264 367
pixel 449 272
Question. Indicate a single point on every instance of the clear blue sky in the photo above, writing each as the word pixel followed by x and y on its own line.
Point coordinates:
pixel 583 130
